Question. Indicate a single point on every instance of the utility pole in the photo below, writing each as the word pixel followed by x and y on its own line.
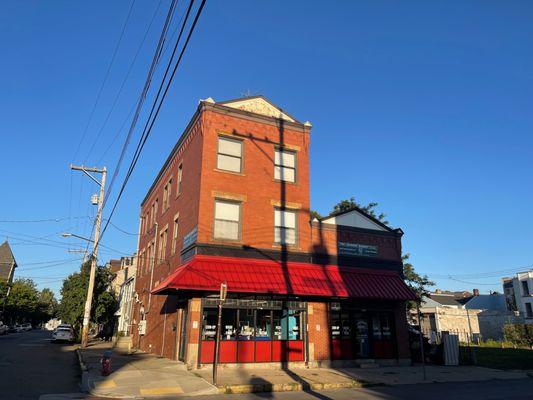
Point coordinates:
pixel 89 300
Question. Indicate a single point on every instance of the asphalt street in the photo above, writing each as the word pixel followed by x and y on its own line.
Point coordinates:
pixel 30 366
pixel 515 389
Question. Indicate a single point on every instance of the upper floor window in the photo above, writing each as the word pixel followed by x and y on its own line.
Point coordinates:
pixel 229 156
pixel 284 165
pixel 175 235
pixel 180 177
pixel 163 245
pixel 525 288
pixel 166 195
pixel 284 226
pixel 227 220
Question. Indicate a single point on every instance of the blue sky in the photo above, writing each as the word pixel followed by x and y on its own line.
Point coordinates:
pixel 423 107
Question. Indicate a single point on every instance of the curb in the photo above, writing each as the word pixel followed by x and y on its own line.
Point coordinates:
pixel 289 387
pixel 84 384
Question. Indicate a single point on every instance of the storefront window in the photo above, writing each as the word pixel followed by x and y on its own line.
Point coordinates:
pixel 376 327
pixel 335 325
pixel 345 325
pixel 229 324
pixel 246 324
pixel 209 324
pixel 294 320
pixel 264 325
pixel 280 325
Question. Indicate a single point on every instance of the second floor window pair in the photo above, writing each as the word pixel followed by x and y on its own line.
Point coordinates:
pixel 227 224
pixel 230 158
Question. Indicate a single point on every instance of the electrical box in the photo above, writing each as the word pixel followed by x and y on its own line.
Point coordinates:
pixel 142 327
pixel 94 199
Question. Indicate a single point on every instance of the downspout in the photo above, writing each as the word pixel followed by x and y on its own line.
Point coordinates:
pixel 137 269
pixel 152 265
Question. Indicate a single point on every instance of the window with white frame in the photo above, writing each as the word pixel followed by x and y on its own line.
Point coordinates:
pixel 163 244
pixel 284 226
pixel 227 220
pixel 284 165
pixel 180 178
pixel 166 195
pixel 229 156
pixel 175 235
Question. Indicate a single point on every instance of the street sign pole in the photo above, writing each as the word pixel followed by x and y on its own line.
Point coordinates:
pixel 223 294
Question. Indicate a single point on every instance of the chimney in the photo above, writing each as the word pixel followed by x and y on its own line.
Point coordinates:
pixel 476 292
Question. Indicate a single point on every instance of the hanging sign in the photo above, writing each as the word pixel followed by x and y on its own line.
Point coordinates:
pixel 356 249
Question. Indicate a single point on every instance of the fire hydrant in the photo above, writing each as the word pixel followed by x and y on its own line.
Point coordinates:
pixel 106 363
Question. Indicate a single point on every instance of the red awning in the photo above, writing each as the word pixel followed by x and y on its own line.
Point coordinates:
pixel 242 275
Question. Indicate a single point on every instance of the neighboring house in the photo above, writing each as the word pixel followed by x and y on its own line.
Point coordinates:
pixel 518 292
pixel 123 287
pixel 7 263
pixel 231 204
pixel 479 315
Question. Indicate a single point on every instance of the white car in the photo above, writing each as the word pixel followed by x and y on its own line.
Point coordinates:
pixel 63 335
pixel 3 328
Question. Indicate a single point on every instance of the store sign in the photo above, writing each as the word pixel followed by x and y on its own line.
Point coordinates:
pixel 356 249
pixel 190 238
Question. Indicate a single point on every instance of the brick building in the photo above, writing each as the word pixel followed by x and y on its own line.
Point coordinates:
pixel 231 204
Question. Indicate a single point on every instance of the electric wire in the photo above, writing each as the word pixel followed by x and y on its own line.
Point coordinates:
pixel 149 125
pixel 117 46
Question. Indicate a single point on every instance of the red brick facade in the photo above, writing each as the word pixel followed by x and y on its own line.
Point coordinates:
pixel 184 195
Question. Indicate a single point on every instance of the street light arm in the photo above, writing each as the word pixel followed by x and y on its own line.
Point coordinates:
pixel 68 234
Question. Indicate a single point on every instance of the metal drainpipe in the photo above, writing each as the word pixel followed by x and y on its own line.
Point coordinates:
pixel 137 259
pixel 152 269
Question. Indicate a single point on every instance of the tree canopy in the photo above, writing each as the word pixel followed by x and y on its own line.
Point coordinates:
pixel 74 293
pixel 26 304
pixel 348 204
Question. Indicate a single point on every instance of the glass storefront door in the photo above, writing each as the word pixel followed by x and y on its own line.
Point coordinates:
pixel 361 337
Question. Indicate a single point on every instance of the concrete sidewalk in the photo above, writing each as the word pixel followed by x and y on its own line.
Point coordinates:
pixel 238 380
pixel 434 373
pixel 241 380
pixel 138 375
pixel 142 375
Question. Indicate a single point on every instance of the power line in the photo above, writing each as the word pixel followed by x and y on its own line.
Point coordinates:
pixel 149 125
pixel 142 97
pixel 104 81
pixel 18 221
pixel 117 96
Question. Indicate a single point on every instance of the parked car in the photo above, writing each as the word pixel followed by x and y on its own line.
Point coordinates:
pixel 63 335
pixel 63 326
pixel 4 329
pixel 12 329
pixel 27 327
pixel 19 328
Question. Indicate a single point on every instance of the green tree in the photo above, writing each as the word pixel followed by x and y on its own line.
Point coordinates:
pixel 74 293
pixel 370 209
pixel 419 283
pixel 23 301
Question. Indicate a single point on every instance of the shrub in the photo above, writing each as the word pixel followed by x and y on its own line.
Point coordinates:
pixel 519 334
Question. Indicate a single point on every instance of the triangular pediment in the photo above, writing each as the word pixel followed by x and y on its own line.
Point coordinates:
pixel 355 219
pixel 258 105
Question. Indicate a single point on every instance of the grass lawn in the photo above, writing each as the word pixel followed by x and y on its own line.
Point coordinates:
pixel 494 357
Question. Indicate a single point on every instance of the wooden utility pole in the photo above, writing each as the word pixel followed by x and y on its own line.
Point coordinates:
pixel 90 289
